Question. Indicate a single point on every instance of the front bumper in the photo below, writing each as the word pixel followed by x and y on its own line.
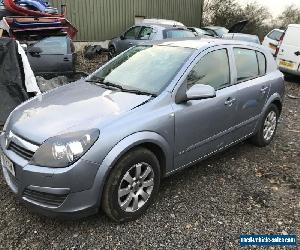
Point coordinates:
pixel 57 192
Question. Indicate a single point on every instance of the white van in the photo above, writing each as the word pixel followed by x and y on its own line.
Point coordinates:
pixel 288 57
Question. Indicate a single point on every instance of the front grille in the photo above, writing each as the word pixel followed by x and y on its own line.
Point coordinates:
pixel 23 152
pixel 46 199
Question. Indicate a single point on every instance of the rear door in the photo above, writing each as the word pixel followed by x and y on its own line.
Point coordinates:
pixel 253 87
pixel 289 52
pixel 56 56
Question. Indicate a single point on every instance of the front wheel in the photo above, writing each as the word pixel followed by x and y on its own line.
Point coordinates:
pixel 131 186
pixel 268 127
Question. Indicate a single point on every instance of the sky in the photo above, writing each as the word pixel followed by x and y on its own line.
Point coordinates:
pixel 275 6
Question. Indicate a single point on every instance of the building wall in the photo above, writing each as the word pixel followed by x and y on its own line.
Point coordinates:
pixel 99 20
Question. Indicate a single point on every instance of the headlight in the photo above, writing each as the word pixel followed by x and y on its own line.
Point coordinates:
pixel 62 151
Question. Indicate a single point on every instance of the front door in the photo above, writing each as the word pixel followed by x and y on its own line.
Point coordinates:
pixel 129 39
pixel 204 126
pixel 54 58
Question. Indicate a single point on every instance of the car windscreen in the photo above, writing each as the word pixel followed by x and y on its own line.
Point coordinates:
pixel 144 68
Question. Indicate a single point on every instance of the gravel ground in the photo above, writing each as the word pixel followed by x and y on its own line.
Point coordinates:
pixel 244 190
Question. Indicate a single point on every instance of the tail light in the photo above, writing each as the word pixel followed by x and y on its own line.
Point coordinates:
pixel 279 44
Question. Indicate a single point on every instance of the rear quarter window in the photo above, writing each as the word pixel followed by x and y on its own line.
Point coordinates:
pixel 262 63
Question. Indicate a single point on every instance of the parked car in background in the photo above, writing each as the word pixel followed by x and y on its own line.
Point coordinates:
pixel 199 32
pixel 272 39
pixel 288 55
pixel 146 31
pixel 217 31
pixel 108 140
pixel 242 37
pixel 54 55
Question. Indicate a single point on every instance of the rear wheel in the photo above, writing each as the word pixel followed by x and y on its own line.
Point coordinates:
pixel 268 127
pixel 131 186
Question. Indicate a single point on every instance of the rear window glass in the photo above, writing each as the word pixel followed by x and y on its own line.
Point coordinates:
pixel 246 64
pixel 178 33
pixel 275 35
pixel 262 63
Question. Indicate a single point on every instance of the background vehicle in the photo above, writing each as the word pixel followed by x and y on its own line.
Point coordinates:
pixel 53 55
pixel 171 113
pixel 242 37
pixel 288 57
pixel 148 31
pixel 272 39
pixel 217 31
pixel 199 32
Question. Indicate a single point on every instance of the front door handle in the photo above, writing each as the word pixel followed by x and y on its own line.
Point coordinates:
pixel 297 53
pixel 264 90
pixel 66 59
pixel 230 101
pixel 130 43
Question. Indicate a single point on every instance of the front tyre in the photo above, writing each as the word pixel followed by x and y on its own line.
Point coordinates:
pixel 132 185
pixel 268 127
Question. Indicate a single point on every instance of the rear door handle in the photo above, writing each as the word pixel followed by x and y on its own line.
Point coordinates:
pixel 230 101
pixel 297 53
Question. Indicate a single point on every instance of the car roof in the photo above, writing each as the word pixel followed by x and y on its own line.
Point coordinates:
pixel 165 22
pixel 164 26
pixel 240 35
pixel 196 43
pixel 294 25
pixel 214 27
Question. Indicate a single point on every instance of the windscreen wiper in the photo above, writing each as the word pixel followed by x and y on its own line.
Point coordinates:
pixel 108 84
pixel 117 86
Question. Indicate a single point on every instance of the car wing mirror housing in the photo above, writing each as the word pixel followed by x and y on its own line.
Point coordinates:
pixel 196 92
pixel 122 37
pixel 34 50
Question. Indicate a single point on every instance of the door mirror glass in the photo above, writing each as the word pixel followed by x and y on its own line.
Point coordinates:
pixel 200 91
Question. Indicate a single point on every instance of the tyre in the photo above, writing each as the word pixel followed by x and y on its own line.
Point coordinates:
pixel 267 128
pixel 131 186
pixel 112 51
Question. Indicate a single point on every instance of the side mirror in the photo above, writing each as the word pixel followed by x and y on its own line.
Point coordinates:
pixel 200 91
pixel 34 50
pixel 122 37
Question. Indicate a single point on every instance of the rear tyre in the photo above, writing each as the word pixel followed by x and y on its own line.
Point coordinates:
pixel 132 186
pixel 267 128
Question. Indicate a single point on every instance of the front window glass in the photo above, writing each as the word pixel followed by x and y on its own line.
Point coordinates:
pixel 145 33
pixel 145 68
pixel 133 32
pixel 212 69
pixel 55 45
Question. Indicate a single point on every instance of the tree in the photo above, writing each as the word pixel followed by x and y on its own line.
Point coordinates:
pixel 227 12
pixel 290 15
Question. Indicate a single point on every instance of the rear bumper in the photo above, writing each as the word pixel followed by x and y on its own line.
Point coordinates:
pixel 289 71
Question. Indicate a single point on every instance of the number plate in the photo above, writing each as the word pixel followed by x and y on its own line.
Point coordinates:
pixel 286 64
pixel 5 162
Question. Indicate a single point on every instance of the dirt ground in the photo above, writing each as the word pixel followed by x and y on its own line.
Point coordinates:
pixel 245 190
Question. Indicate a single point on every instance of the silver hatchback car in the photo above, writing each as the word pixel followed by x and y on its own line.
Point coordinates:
pixel 108 140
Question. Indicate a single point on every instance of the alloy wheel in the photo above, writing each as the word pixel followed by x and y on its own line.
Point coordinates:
pixel 136 187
